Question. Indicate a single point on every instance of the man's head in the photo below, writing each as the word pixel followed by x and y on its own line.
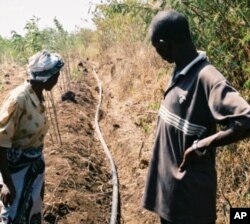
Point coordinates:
pixel 44 68
pixel 169 31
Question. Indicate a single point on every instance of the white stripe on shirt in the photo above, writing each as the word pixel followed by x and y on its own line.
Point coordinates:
pixel 180 123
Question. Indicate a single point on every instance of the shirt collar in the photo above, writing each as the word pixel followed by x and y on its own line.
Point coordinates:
pixel 201 56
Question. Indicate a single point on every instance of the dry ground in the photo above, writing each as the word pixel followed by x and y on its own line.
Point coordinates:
pixel 78 179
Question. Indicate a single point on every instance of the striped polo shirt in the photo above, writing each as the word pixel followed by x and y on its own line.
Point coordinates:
pixel 197 99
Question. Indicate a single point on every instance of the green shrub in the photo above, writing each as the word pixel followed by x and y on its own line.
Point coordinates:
pixel 221 28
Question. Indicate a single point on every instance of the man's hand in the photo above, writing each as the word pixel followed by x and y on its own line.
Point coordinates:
pixel 186 159
pixel 8 194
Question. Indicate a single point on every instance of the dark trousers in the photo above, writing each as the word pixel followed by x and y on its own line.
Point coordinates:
pixel 163 221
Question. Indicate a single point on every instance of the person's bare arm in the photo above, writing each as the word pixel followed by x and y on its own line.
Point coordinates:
pixel 220 138
pixel 228 109
pixel 8 192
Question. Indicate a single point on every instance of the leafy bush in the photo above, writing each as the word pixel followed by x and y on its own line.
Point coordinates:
pixel 54 39
pixel 222 29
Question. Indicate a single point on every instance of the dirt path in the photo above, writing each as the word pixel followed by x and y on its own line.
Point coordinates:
pixel 130 144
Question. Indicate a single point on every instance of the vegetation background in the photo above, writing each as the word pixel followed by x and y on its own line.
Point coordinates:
pixel 120 42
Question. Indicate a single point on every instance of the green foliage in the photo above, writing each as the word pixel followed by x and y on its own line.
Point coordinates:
pixel 247 84
pixel 18 42
pixel 33 37
pixel 221 28
pixel 32 42
pixel 54 39
pixel 154 106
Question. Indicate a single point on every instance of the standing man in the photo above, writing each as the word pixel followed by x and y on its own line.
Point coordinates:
pixel 181 182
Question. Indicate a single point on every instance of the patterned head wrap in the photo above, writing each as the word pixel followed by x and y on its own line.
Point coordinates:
pixel 43 65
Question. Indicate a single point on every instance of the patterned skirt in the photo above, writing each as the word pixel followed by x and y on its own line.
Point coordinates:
pixel 27 171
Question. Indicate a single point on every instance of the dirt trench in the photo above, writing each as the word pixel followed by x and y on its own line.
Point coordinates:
pixel 78 179
pixel 78 187
pixel 84 196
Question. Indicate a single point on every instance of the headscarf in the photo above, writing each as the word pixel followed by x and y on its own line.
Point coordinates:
pixel 43 65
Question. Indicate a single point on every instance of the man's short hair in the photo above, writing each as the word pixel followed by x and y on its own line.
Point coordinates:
pixel 170 25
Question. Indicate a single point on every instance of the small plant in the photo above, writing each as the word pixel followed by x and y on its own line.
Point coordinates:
pixel 146 127
pixel 154 106
pixel 247 84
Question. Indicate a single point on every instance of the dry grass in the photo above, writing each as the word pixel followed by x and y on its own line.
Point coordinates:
pixel 233 178
pixel 133 74
pixel 137 77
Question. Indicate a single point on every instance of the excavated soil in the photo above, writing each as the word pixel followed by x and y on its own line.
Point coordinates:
pixel 78 176
pixel 78 180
